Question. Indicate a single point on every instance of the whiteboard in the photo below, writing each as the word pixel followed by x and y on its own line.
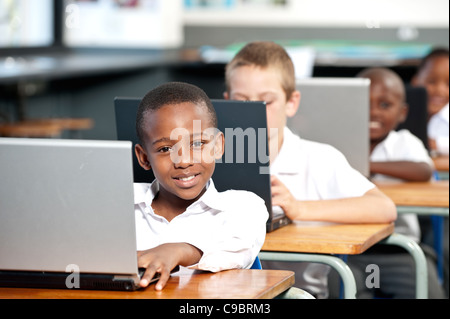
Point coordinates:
pixel 123 23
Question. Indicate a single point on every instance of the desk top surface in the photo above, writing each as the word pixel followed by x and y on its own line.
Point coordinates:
pixel 326 238
pixel 441 163
pixel 230 284
pixel 429 194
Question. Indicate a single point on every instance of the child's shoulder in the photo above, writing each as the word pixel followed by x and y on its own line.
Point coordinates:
pixel 403 136
pixel 239 203
pixel 239 196
pixel 305 146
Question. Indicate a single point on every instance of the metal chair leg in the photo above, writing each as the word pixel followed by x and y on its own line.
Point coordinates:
pixel 340 266
pixel 419 257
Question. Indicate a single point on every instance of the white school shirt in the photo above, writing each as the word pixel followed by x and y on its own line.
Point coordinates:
pixel 314 171
pixel 401 146
pixel 228 227
pixel 438 127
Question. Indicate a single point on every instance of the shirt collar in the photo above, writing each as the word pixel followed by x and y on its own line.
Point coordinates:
pixel 445 113
pixel 386 146
pixel 145 193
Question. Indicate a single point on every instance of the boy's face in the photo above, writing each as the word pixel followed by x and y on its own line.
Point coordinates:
pixel 181 148
pixel 434 77
pixel 387 108
pixel 251 83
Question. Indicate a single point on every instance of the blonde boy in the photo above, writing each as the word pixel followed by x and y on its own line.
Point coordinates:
pixel 310 181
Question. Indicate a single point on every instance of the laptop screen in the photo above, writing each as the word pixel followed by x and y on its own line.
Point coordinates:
pixel 66 202
pixel 335 111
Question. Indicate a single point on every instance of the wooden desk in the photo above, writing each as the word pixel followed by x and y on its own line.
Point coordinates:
pixel 326 238
pixel 441 163
pixel 230 284
pixel 428 198
pixel 314 241
pixel 426 194
pixel 309 242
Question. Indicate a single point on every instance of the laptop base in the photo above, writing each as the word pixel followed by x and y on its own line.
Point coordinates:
pixel 277 223
pixel 56 280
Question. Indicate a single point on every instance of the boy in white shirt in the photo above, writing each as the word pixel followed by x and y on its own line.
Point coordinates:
pixel 396 156
pixel 433 74
pixel 438 131
pixel 310 181
pixel 181 219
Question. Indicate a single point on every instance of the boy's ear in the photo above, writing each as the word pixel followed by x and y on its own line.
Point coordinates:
pixel 226 96
pixel 219 146
pixel 142 157
pixel 404 113
pixel 293 104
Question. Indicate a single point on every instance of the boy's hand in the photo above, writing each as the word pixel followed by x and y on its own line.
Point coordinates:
pixel 163 259
pixel 281 196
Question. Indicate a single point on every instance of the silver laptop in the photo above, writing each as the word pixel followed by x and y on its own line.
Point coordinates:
pixel 336 111
pixel 67 214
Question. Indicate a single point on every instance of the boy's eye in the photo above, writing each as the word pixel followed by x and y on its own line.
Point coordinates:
pixel 431 81
pixel 197 144
pixel 164 149
pixel 385 105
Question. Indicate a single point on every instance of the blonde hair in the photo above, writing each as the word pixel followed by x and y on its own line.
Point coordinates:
pixel 265 55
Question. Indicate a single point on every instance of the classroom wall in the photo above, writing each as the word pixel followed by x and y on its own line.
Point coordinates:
pixel 196 36
pixel 425 21
pixel 400 21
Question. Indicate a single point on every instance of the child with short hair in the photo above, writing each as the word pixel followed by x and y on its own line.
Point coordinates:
pixel 310 181
pixel 397 156
pixel 433 74
pixel 181 219
pixel 394 155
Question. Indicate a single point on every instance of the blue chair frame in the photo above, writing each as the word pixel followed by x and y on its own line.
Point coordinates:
pixel 256 264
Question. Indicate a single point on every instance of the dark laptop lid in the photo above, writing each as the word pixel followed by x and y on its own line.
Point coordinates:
pixel 417 119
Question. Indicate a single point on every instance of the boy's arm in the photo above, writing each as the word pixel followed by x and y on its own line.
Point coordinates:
pixel 440 144
pixel 372 207
pixel 232 243
pixel 162 259
pixel 406 170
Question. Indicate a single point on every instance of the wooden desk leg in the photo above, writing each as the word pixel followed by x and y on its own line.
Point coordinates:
pixel 338 264
pixel 419 258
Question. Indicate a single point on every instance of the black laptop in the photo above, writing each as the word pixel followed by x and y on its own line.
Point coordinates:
pixel 245 163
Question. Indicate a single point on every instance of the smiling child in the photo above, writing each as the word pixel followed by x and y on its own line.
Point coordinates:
pixel 181 219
